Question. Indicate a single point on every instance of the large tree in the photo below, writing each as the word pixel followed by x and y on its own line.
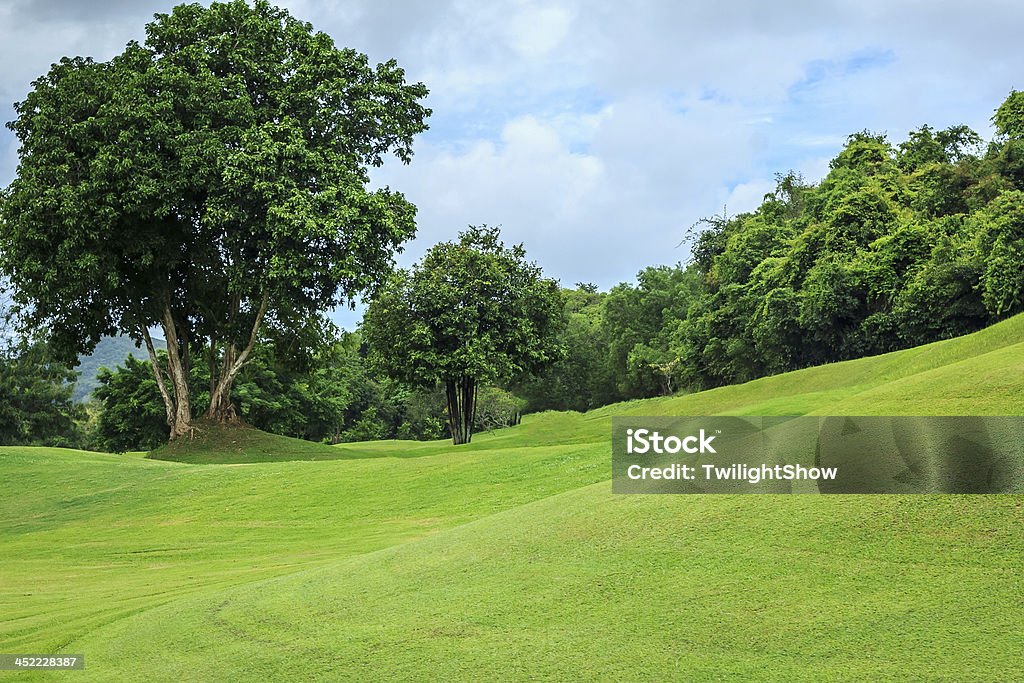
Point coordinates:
pixel 472 311
pixel 212 182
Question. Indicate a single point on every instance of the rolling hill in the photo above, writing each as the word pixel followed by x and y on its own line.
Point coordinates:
pixel 510 558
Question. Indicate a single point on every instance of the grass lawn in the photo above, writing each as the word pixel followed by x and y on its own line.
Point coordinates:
pixel 249 557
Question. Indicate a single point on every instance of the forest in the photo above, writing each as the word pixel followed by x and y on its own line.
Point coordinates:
pixel 900 244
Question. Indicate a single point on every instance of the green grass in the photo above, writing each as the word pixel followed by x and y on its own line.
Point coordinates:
pixel 510 558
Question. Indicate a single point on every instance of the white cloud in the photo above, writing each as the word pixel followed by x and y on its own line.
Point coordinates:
pixel 530 182
pixel 537 29
pixel 34 35
pixel 747 196
pixel 651 169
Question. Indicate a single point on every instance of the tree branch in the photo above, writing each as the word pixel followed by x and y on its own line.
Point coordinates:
pixel 244 355
pixel 158 373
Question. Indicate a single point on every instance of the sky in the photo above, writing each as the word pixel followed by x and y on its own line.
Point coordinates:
pixel 596 132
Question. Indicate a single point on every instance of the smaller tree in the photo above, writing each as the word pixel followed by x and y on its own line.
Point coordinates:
pixel 35 398
pixel 130 411
pixel 472 311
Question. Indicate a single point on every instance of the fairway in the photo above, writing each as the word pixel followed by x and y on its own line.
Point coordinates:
pixel 260 558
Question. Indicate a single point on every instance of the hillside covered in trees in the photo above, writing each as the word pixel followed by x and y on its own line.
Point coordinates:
pixel 900 244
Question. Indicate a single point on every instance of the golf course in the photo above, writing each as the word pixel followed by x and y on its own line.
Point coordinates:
pixel 243 556
pixel 512 341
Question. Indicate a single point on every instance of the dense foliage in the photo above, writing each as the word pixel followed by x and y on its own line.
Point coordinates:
pixel 895 247
pixel 333 397
pixel 127 411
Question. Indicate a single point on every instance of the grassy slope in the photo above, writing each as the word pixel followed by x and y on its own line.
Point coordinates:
pixel 371 566
pixel 89 538
pixel 227 444
pixel 587 585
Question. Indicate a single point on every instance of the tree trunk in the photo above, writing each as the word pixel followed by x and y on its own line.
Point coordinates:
pixel 461 395
pixel 177 399
pixel 221 409
pixel 181 423
pixel 158 372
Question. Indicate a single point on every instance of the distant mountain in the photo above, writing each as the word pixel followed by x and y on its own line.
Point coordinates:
pixel 109 353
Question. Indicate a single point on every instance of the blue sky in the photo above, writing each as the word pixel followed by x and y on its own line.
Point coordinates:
pixel 596 132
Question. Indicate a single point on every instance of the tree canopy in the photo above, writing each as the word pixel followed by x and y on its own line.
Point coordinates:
pixel 211 181
pixel 472 311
